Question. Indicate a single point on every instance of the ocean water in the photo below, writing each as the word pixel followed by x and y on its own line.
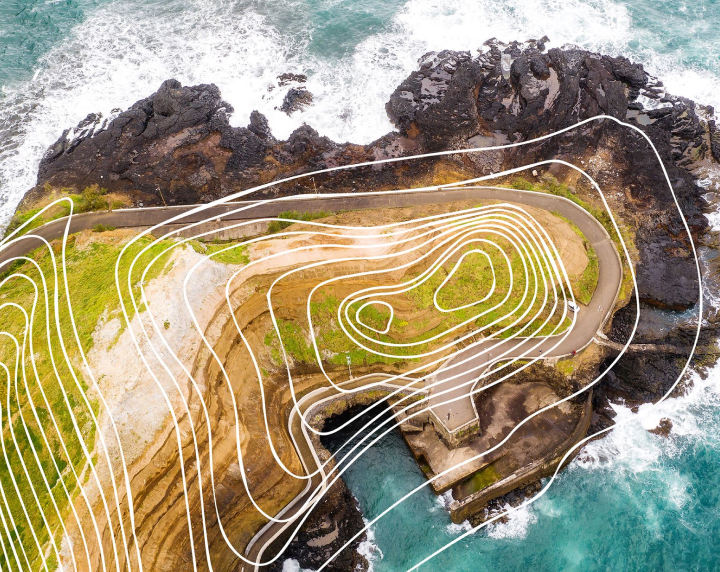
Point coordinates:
pixel 62 59
pixel 634 501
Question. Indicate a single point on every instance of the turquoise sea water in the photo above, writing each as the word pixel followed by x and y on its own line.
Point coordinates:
pixel 634 501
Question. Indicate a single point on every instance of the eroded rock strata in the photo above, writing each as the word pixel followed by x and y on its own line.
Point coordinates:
pixel 177 147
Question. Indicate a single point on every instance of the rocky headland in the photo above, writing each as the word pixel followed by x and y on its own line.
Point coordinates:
pixel 177 147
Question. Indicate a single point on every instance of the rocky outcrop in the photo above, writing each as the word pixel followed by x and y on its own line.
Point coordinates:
pixel 177 146
pixel 296 99
pixel 438 103
pixel 335 521
pixel 664 428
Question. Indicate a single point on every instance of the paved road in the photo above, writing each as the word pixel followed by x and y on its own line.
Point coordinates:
pixel 590 318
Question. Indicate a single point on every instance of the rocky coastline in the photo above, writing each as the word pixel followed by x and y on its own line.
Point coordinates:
pixel 177 147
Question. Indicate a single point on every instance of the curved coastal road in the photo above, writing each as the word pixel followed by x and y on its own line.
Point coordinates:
pixel 589 320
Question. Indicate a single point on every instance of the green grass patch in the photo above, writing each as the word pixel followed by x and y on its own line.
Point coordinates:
pixel 375 317
pixel 479 481
pixel 235 255
pixel 91 283
pixel 584 285
pixel 285 219
pixel 334 345
pixel 566 366
pixel 102 228
pixel 472 280
pixel 91 199
pixel 551 185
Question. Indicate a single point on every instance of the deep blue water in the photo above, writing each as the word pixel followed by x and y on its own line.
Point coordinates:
pixel 636 501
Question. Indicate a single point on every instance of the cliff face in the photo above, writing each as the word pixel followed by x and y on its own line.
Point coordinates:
pixel 177 147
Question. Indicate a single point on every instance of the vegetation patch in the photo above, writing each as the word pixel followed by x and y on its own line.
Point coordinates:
pixel 566 366
pixel 479 481
pixel 93 198
pixel 584 286
pixel 102 228
pixel 285 219
pixel 473 279
pixel 551 185
pixel 223 252
pixel 91 283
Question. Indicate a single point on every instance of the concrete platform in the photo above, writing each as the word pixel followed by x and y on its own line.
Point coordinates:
pixel 500 409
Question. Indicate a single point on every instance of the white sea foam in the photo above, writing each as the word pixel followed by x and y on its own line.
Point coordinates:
pixel 517 525
pixel 454 529
pixel 631 450
pixel 369 549
pixel 292 565
pixel 444 500
pixel 124 50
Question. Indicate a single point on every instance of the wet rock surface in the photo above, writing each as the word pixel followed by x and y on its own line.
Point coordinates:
pixel 664 428
pixel 296 99
pixel 499 505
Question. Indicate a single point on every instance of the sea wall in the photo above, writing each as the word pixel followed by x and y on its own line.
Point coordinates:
pixel 461 510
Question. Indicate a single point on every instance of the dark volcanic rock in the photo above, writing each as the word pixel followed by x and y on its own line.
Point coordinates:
pixel 259 125
pixel 288 78
pixel 178 142
pixel 642 377
pixel 334 522
pixel 438 102
pixel 498 505
pixel 666 274
pixel 664 427
pixel 296 99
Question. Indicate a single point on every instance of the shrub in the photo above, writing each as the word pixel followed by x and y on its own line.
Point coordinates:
pixel 102 228
pixel 91 199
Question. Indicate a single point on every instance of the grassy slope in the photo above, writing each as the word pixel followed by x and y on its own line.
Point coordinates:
pixel 585 284
pixel 93 198
pixel 470 282
pixel 91 282
pixel 551 185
